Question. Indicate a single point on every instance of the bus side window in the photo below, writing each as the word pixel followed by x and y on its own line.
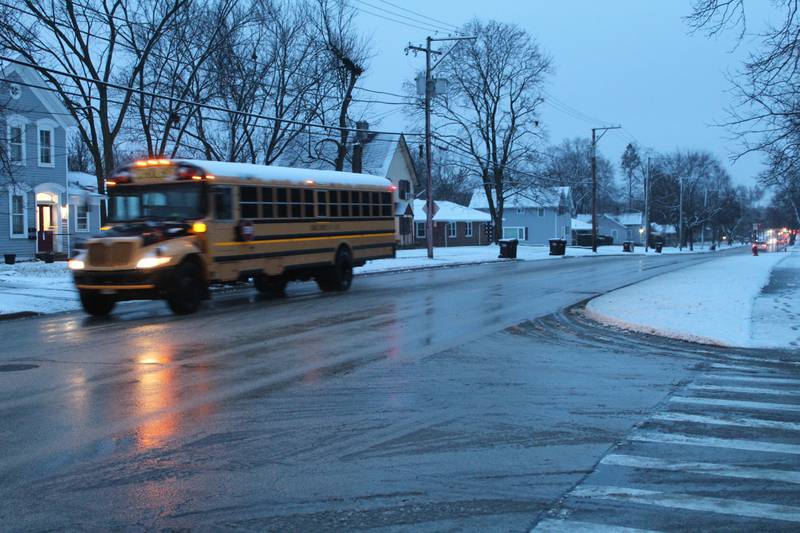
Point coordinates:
pixel 386 201
pixel 322 203
pixel 223 207
pixel 344 202
pixel 333 199
pixel 356 203
pixel 267 207
pixel 308 203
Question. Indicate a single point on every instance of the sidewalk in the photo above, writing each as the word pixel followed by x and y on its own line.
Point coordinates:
pixel 734 301
pixel 38 287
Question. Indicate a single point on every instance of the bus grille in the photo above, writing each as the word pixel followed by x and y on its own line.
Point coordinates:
pixel 117 254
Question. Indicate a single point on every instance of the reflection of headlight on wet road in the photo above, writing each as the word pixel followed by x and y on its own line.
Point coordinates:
pixel 152 262
pixel 75 264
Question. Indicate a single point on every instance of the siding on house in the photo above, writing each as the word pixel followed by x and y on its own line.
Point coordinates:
pixel 536 229
pixel 442 237
pixel 33 109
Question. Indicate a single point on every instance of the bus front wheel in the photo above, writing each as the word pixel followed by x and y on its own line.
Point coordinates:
pixel 187 290
pixel 339 276
pixel 96 304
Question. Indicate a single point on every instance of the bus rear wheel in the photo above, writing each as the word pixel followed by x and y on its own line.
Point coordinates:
pixel 339 277
pixel 97 304
pixel 270 285
pixel 187 290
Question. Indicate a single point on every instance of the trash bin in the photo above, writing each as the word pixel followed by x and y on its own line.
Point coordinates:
pixel 627 246
pixel 558 246
pixel 508 248
pixel 659 246
pixel 10 259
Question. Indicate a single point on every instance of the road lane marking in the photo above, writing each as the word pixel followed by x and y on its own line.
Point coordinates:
pixel 753 379
pixel 690 502
pixel 741 390
pixel 723 366
pixel 712 469
pixel 673 416
pixel 763 406
pixel 714 442
pixel 571 526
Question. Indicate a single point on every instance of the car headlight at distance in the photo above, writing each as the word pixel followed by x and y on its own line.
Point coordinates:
pixel 152 262
pixel 76 264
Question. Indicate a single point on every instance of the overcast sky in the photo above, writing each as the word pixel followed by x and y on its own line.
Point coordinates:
pixel 628 62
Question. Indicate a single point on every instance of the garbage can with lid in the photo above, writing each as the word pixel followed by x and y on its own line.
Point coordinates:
pixel 659 246
pixel 558 246
pixel 627 246
pixel 508 248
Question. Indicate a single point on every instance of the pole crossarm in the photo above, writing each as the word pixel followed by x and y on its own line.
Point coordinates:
pixel 602 131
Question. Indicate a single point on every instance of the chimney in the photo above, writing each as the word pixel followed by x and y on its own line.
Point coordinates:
pixel 362 130
pixel 358 154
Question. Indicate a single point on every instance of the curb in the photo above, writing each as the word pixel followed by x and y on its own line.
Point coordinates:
pixel 20 314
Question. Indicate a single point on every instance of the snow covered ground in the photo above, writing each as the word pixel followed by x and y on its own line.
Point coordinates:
pixel 47 288
pixel 712 302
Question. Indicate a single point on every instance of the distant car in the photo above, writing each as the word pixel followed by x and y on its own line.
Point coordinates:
pixel 762 246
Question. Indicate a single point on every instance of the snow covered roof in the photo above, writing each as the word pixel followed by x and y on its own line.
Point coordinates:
pixel 308 152
pixel 451 212
pixel 630 219
pixel 528 198
pixel 287 175
pixel 664 229
pixel 580 225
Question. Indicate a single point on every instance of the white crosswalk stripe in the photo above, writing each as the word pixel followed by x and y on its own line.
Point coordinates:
pixel 718 402
pixel 696 435
pixel 741 390
pixel 734 421
pixel 714 469
pixel 690 502
pixel 571 526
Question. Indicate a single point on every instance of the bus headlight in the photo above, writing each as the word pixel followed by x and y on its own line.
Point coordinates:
pixel 76 264
pixel 152 262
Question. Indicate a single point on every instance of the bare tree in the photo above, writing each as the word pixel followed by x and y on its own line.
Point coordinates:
pixel 767 118
pixel 569 164
pixel 83 50
pixel 346 54
pixel 490 113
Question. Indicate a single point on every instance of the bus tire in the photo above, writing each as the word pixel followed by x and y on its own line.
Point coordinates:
pixel 339 276
pixel 186 292
pixel 97 304
pixel 274 286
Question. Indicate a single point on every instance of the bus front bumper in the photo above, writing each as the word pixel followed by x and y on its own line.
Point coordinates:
pixel 126 284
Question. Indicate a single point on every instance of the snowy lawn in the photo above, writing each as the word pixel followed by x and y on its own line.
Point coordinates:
pixel 47 288
pixel 711 303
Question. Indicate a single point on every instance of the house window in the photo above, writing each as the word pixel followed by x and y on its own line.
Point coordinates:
pixel 468 229
pixel 16 143
pixel 82 218
pixel 404 190
pixel 17 215
pixel 46 147
pixel 420 227
pixel 514 232
pixel 614 235
pixel 452 230
pixel 541 211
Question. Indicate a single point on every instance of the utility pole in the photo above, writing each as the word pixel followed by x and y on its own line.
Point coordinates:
pixel 647 207
pixel 429 94
pixel 594 179
pixel 680 216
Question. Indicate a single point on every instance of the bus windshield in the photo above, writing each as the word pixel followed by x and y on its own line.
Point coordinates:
pixel 161 202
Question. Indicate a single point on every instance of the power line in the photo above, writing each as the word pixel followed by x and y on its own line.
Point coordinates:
pixel 418 14
pixel 430 25
pixel 193 103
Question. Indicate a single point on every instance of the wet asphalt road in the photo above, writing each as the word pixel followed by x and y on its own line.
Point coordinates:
pixel 451 399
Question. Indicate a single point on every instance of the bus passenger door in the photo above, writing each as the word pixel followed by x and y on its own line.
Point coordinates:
pixel 223 227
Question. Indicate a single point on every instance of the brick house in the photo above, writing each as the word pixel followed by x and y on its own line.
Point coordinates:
pixel 453 225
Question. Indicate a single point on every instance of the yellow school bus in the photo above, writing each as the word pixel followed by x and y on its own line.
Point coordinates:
pixel 176 227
